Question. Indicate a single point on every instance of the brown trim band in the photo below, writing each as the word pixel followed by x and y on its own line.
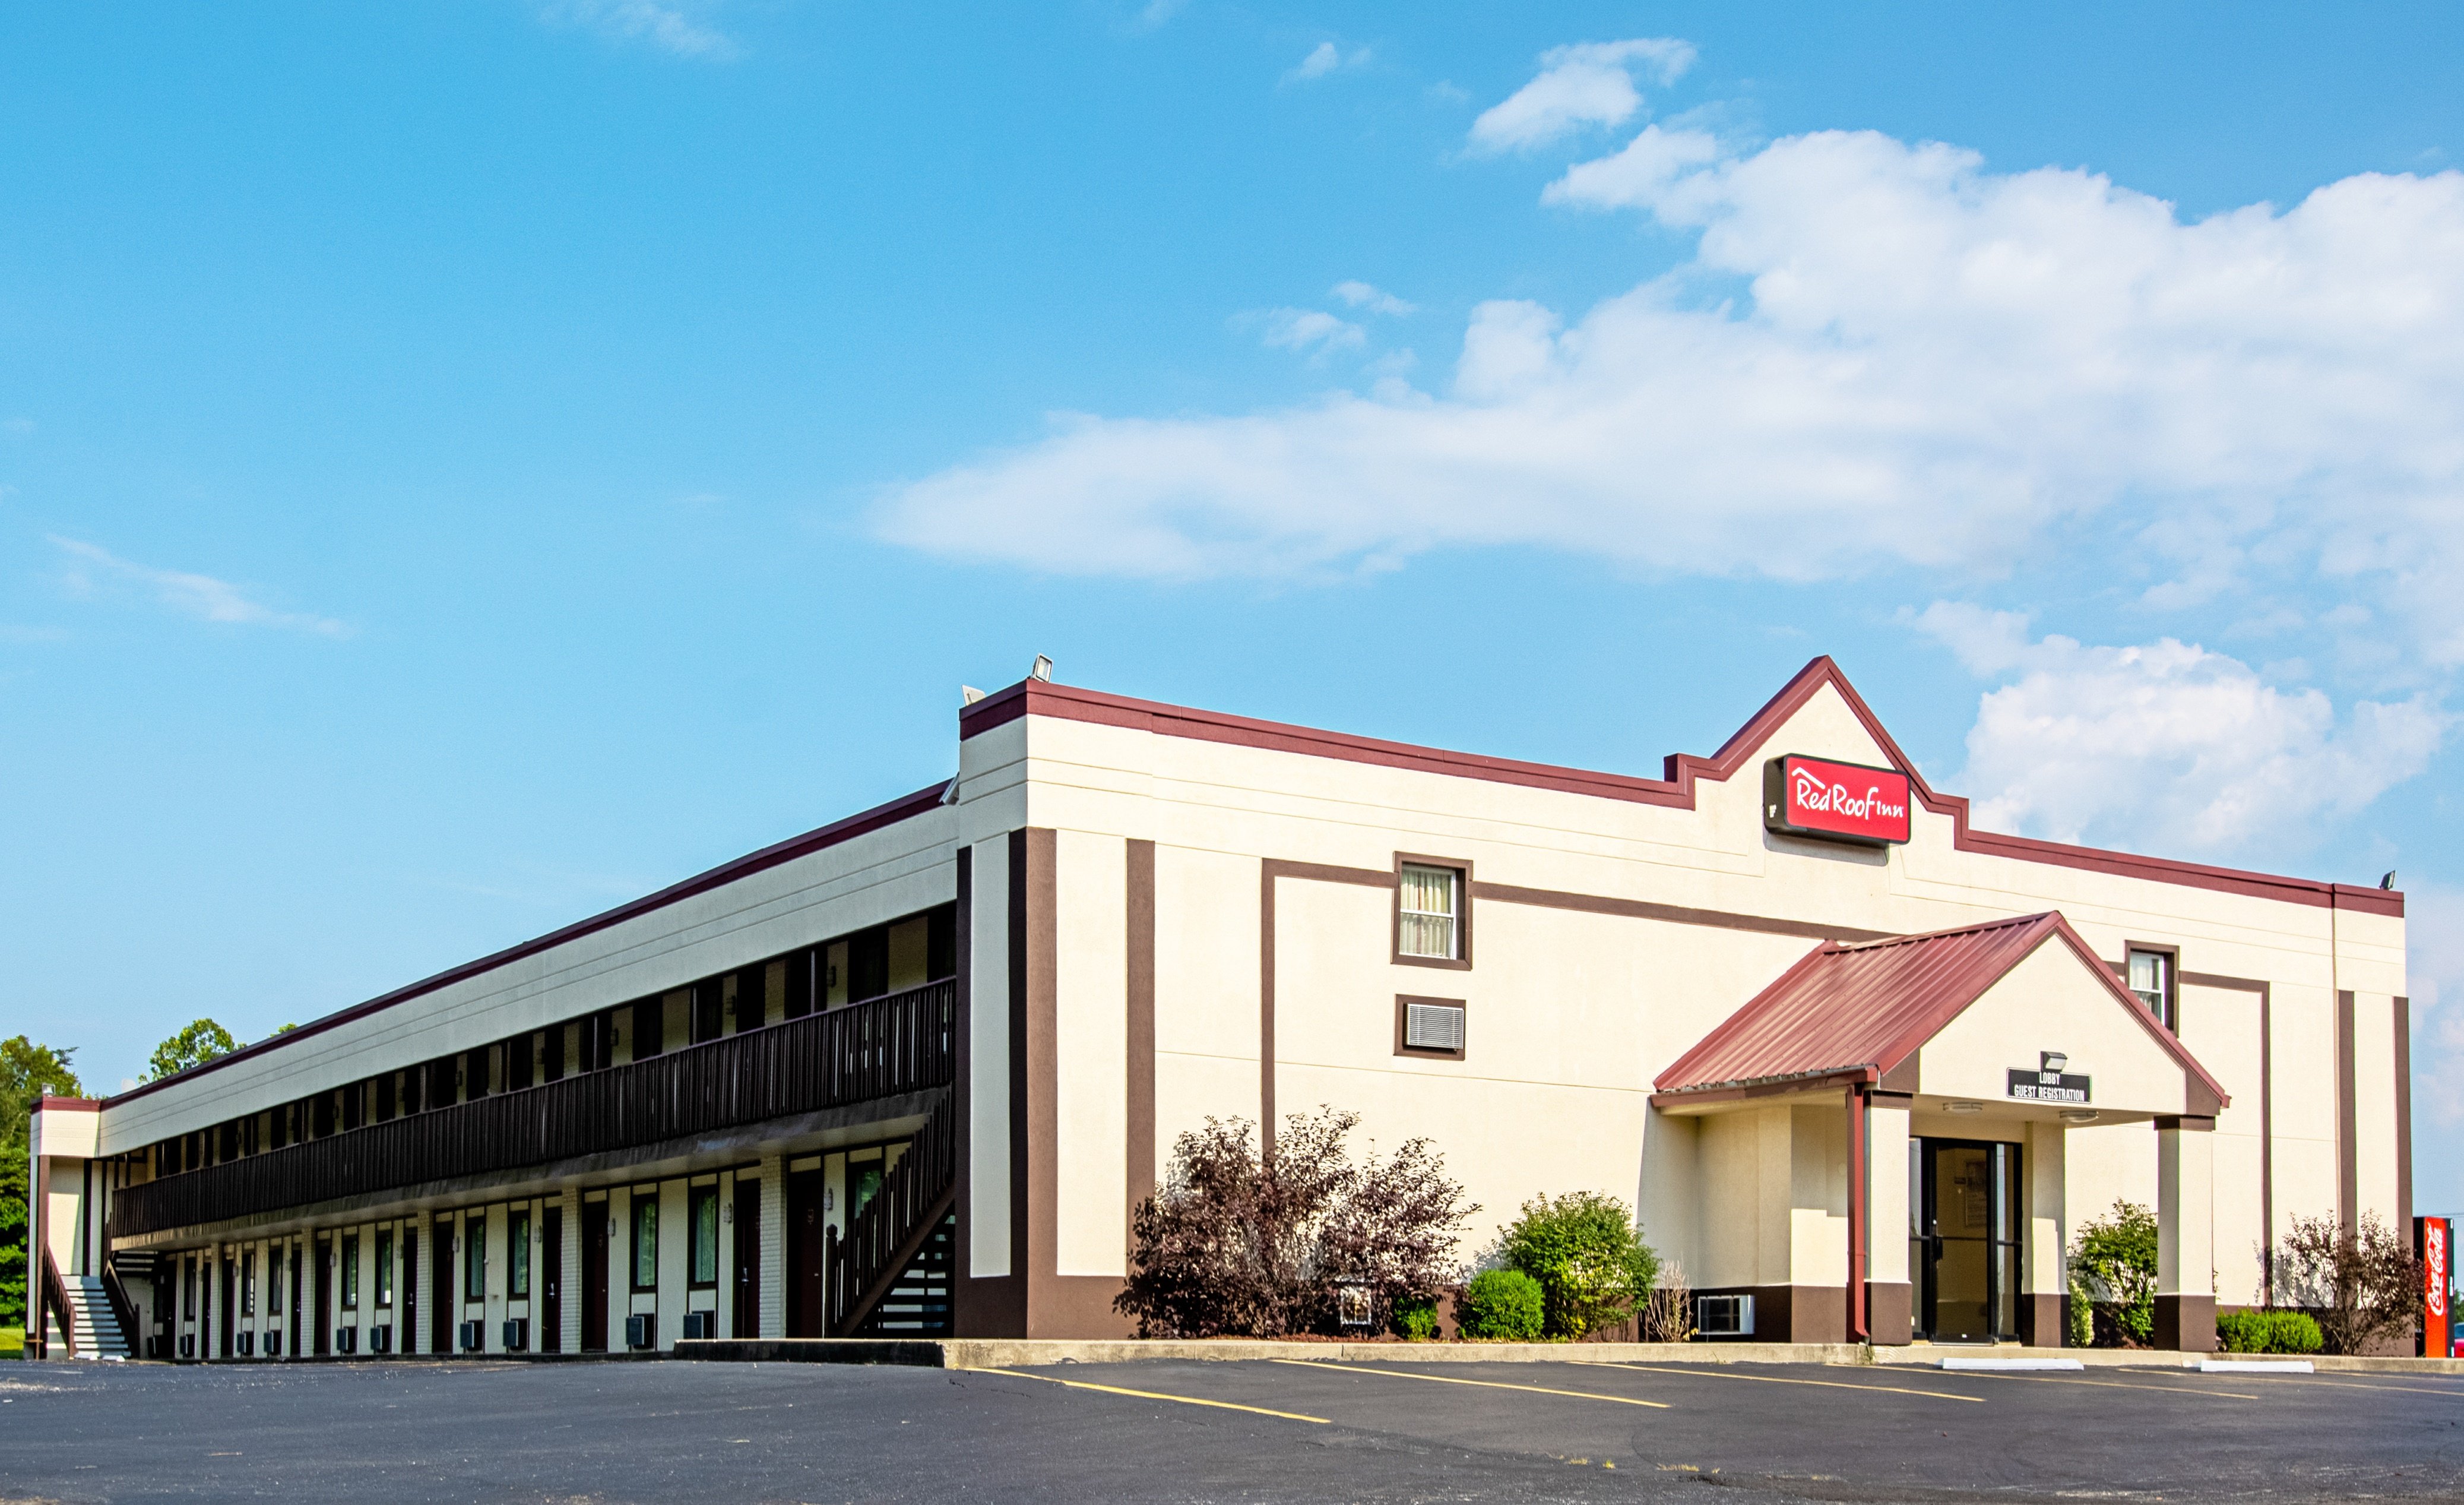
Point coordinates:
pixel 2403 1113
pixel 1671 913
pixel 2348 1178
pixel 1140 924
pixel 1270 868
pixel 863 823
pixel 2266 992
pixel 1675 788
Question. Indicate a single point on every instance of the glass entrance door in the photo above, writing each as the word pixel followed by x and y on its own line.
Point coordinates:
pixel 1963 1239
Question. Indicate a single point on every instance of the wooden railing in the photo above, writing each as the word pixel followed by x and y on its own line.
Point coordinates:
pixel 54 1299
pixel 883 1238
pixel 890 1046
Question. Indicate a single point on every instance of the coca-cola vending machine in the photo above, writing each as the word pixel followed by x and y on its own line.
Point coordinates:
pixel 2432 1244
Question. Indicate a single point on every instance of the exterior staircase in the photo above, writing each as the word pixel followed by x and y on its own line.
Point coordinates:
pixel 93 1328
pixel 917 1303
pixel 891 1275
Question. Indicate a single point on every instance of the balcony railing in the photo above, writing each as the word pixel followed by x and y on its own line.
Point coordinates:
pixel 882 1048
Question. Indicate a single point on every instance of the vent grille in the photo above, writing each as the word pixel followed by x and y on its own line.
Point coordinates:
pixel 1433 1027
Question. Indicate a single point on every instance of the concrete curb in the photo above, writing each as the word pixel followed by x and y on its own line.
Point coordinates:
pixel 1003 1353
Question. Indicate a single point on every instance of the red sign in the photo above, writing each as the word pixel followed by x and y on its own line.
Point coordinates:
pixel 2431 1241
pixel 1836 801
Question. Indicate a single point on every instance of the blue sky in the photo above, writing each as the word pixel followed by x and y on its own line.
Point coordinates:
pixel 464 465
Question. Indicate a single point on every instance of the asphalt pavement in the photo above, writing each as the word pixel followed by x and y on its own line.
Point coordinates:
pixel 409 1432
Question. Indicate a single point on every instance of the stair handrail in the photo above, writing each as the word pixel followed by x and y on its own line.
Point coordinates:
pixel 56 1296
pixel 123 1311
pixel 882 1239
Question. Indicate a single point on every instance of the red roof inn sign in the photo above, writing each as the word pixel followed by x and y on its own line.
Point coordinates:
pixel 1835 801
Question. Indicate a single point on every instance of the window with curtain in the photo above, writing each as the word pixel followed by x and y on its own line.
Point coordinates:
pixel 350 1270
pixel 2151 979
pixel 474 1258
pixel 1432 913
pixel 385 1267
pixel 646 1242
pixel 704 1221
pixel 517 1254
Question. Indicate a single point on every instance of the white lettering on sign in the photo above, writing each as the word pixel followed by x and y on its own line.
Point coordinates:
pixel 2434 1264
pixel 1811 793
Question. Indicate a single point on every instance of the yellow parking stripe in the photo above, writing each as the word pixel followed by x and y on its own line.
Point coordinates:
pixel 2356 1385
pixel 1772 1379
pixel 1157 1395
pixel 1490 1384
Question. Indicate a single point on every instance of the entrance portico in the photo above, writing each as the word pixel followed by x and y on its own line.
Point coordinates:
pixel 1880 1137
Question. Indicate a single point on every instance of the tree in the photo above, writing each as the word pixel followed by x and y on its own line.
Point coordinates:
pixel 2364 1286
pixel 1591 1261
pixel 1234 1245
pixel 201 1042
pixel 2113 1272
pixel 27 1071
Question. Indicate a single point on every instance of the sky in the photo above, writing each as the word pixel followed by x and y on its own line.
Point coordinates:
pixel 465 465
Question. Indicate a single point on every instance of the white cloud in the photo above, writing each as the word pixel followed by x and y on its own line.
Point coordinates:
pixel 1360 295
pixel 2165 746
pixel 1589 83
pixel 1309 329
pixel 16 428
pixel 2434 971
pixel 673 28
pixel 1877 355
pixel 1325 59
pixel 91 569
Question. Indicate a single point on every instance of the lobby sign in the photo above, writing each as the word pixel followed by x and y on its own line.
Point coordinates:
pixel 1835 800
pixel 2048 1086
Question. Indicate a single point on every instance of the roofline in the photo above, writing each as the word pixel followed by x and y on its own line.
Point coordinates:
pixel 1674 790
pixel 47 1103
pixel 862 823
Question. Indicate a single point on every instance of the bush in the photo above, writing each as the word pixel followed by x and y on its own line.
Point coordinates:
pixel 1592 1267
pixel 2268 1333
pixel 1415 1320
pixel 2113 1273
pixel 1235 1248
pixel 2365 1288
pixel 1502 1304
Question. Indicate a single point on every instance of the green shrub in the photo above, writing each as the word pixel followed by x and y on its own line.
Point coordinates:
pixel 2269 1333
pixel 1591 1264
pixel 2113 1265
pixel 1502 1304
pixel 1416 1320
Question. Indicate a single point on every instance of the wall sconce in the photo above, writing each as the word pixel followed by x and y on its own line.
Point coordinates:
pixel 2051 1061
pixel 1963 1107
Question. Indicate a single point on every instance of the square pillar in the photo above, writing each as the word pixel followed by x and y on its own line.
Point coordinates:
pixel 1888 1305
pixel 569 1273
pixel 2044 1239
pixel 774 1249
pixel 2186 1282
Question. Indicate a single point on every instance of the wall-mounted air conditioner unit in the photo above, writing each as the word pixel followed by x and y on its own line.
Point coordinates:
pixel 187 1345
pixel 273 1345
pixel 701 1324
pixel 1724 1316
pixel 346 1339
pixel 518 1334
pixel 248 1345
pixel 381 1339
pixel 641 1332
pixel 471 1336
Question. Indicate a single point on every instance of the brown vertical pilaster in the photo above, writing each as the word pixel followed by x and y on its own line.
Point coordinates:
pixel 1020 1258
pixel 2404 1115
pixel 2347 1151
pixel 1267 1008
pixel 2267 1143
pixel 1140 920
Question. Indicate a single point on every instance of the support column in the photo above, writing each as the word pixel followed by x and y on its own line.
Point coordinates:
pixel 2186 1300
pixel 774 1248
pixel 2044 1241
pixel 1888 1290
pixel 568 1274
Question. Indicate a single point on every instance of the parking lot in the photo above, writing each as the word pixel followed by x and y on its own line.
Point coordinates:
pixel 1252 1432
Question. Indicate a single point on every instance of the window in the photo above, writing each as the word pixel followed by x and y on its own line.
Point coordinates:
pixel 703 1216
pixel 1429 915
pixel 517 1254
pixel 350 1271
pixel 248 1282
pixel 646 1241
pixel 1429 1027
pixel 2151 979
pixel 475 1258
pixel 385 1267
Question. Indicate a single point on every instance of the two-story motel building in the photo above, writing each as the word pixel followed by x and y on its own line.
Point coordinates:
pixel 910 1072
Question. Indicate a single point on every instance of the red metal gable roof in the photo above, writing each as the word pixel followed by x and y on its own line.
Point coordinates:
pixel 1865 1008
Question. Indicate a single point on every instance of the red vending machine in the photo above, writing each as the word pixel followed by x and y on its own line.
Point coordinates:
pixel 2433 1244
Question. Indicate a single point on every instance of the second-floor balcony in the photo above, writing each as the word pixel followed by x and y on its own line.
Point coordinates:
pixel 882 1048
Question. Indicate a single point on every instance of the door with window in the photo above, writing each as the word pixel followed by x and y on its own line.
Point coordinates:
pixel 745 1320
pixel 1963 1239
pixel 594 1277
pixel 806 1242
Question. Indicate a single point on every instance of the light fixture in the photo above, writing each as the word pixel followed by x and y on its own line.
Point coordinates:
pixel 2079 1115
pixel 969 694
pixel 1043 669
pixel 2052 1061
pixel 1963 1107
